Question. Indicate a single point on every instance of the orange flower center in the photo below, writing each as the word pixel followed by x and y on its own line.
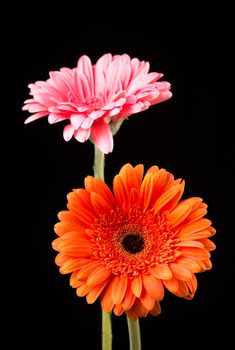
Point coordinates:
pixel 130 240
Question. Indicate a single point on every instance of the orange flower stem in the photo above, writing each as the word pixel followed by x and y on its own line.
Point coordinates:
pixel 106 317
pixel 134 334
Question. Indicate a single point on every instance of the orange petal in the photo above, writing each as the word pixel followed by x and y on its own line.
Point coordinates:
pixel 70 265
pixel 146 190
pixel 153 287
pixel 199 262
pixel 79 198
pixel 93 184
pixel 193 202
pixel 98 276
pixel 189 244
pixel 136 286
pixel 208 264
pixel 212 230
pixel 208 244
pixel 183 290
pixel 166 197
pixel 95 293
pixel 129 297
pixel 119 191
pixel 65 226
pixel 147 301
pixel 60 259
pixel 179 214
pixel 107 303
pixel 160 178
pixel 196 252
pixel 191 264
pixel 83 290
pixel 172 285
pixel 156 310
pixel 132 313
pixel 80 251
pixel 68 216
pixel 139 171
pixel 128 176
pixel 161 271
pixel 195 235
pixel 180 271
pixel 134 197
pixel 83 216
pixel 192 285
pixel 118 310
pixel 99 204
pixel 194 216
pixel 119 286
pixel 87 269
pixel 153 170
pixel 73 280
pixel 196 226
pixel 171 204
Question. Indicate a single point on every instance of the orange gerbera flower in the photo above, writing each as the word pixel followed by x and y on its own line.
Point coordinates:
pixel 127 246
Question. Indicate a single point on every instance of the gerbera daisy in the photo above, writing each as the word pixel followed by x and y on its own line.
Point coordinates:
pixel 128 245
pixel 91 98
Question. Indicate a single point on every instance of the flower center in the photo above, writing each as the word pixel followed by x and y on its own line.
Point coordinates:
pixel 133 243
pixel 130 241
pixel 94 103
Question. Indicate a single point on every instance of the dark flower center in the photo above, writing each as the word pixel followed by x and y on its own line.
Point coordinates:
pixel 133 243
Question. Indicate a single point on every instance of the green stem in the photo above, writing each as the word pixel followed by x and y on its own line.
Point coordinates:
pixel 106 317
pixel 98 164
pixel 106 331
pixel 134 334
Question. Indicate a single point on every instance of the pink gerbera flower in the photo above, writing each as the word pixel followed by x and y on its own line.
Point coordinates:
pixel 93 97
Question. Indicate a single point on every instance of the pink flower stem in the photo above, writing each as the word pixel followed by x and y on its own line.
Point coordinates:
pixel 106 317
pixel 98 166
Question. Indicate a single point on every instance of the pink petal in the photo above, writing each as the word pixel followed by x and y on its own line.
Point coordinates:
pixel 162 85
pixel 82 134
pixel 96 114
pixel 99 73
pixel 139 67
pixel 43 98
pixel 87 123
pixel 108 106
pixel 81 86
pixel 102 136
pixel 113 112
pixel 31 100
pixel 165 95
pixel 76 120
pixel 131 99
pixel 120 102
pixel 59 83
pixel 55 118
pixel 84 64
pixel 104 62
pixel 36 116
pixel 68 132
pixel 112 78
pixel 33 108
pixel 120 94
pixel 67 107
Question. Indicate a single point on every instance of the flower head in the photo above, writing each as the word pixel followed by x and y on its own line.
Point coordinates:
pixel 90 97
pixel 129 245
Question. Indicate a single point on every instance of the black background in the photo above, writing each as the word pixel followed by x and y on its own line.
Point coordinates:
pixel 190 135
